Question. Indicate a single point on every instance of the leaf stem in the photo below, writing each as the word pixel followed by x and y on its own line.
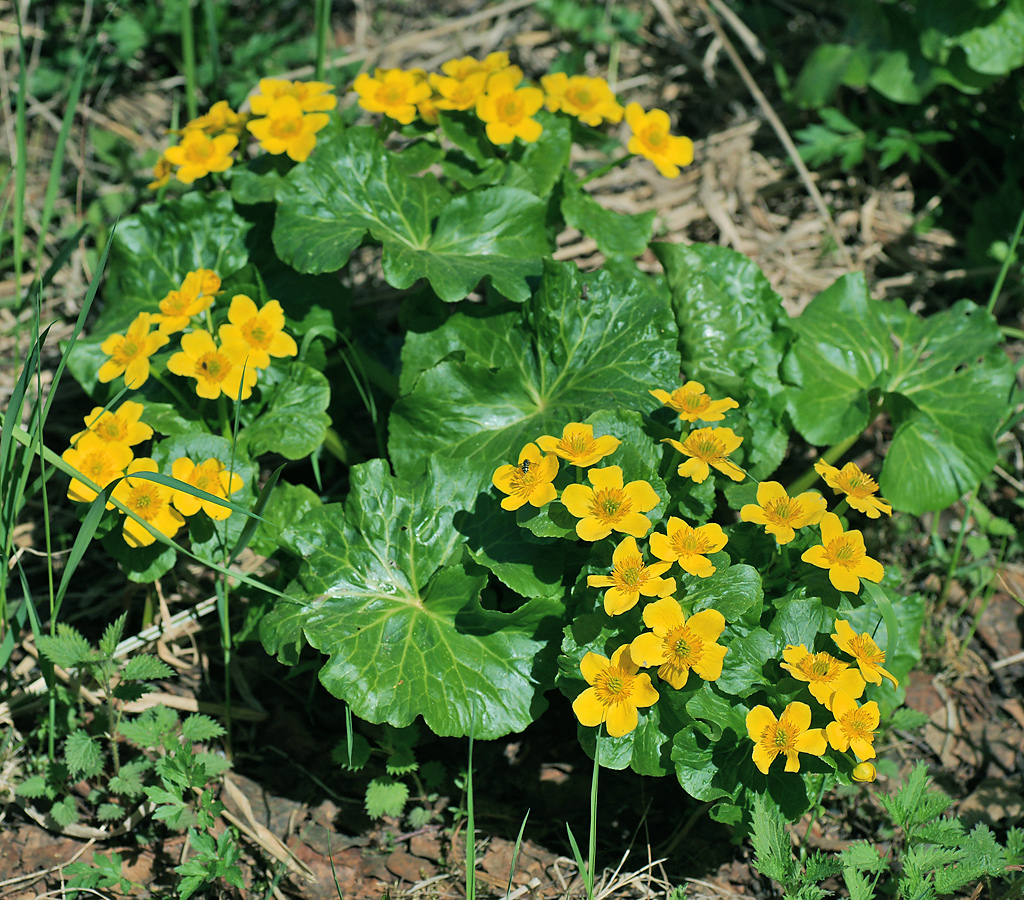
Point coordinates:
pixel 1010 252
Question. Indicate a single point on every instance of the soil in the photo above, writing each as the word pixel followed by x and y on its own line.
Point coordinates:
pixel 296 807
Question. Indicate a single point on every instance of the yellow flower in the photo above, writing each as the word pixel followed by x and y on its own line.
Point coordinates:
pixel 790 734
pixel 616 692
pixel 652 140
pixel 780 513
pixel 216 369
pixel 507 110
pixel 312 96
pixel 854 726
pixel 859 488
pixel 458 93
pixel 210 476
pixel 121 427
pixel 692 403
pixel 198 154
pixel 463 68
pixel 708 447
pixel 195 295
pixel 98 460
pixel 824 674
pixel 863 649
pixel 863 772
pixel 578 444
pixel 130 352
pixel 530 481
pixel 287 129
pixel 689 546
pixel 609 506
pixel 261 330
pixel 221 119
pixel 630 578
pixel 588 99
pixel 149 501
pixel 393 92
pixel 844 555
pixel 676 644
pixel 162 171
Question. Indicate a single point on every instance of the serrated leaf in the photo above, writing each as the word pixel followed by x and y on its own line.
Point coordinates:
pixel 150 727
pixel 110 812
pixel 68 649
pixel 295 419
pixel 128 781
pixel 112 636
pixel 385 797
pixel 405 633
pixel 197 728
pixel 64 812
pixel 582 344
pixel 614 232
pixel 352 187
pixel 359 757
pixel 34 787
pixel 83 755
pixel 863 857
pixel 145 667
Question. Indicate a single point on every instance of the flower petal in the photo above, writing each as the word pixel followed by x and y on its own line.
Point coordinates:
pixel 663 615
pixel 592 665
pixel 589 710
pixel 622 718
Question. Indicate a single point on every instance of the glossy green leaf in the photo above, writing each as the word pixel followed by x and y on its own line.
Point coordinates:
pixel 352 188
pixel 614 232
pixel 540 164
pixel 403 627
pixel 295 420
pixel 583 343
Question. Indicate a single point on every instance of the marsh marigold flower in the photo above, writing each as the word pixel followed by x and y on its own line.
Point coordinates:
pixel 864 650
pixel 217 370
pixel 458 93
pixel 130 352
pixel 149 501
pixel 261 330
pixel 196 294
pixel 854 726
pixel 844 555
pixel 689 546
pixel 529 481
pixel 616 692
pixel 211 476
pixel 824 674
pixel 863 772
pixel 609 505
pixel 790 734
pixel 630 578
pixel 677 644
pixel 588 99
pixel 652 139
pixel 466 66
pixel 708 447
pixel 287 129
pixel 98 460
pixel 859 487
pixel 221 119
pixel 198 154
pixel 393 92
pixel 780 513
pixel 692 403
pixel 507 109
pixel 312 96
pixel 578 444
pixel 121 426
pixel 162 171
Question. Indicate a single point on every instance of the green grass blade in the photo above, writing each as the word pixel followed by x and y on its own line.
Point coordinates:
pixel 188 57
pixel 580 864
pixel 21 164
pixel 212 41
pixel 86 533
pixel 254 519
pixel 515 855
pixel 470 822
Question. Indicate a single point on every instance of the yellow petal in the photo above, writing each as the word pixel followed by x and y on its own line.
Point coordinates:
pixel 617 602
pixel 589 529
pixel 621 719
pixel 844 580
pixel 763 758
pixel 644 693
pixel 837 737
pixel 648 650
pixel 663 615
pixel 710 666
pixel 592 665
pixel 758 719
pixel 770 490
pixel 589 710
pixel 577 499
pixel 708 624
pixel 606 477
pixel 831 528
pixel 798 715
pixel 812 741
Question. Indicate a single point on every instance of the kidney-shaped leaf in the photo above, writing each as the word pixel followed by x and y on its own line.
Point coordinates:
pixel 404 628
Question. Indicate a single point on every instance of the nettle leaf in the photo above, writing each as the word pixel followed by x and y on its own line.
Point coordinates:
pixel 405 632
pixel 352 187
pixel 385 797
pixel 943 380
pixel 295 419
pixel 583 343
pixel 144 667
pixel 614 232
pixel 83 755
pixel 733 331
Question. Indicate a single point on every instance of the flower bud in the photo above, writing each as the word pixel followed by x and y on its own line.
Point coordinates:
pixel 863 772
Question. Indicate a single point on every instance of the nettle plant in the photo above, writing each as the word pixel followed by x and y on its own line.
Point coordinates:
pixel 468 571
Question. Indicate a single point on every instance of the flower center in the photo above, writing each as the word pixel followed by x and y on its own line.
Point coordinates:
pixel 654 138
pixel 213 366
pixel 689 542
pixel 782 511
pixel 610 505
pixel 820 667
pixel 199 151
pixel 693 401
pixel 842 552
pixel 862 647
pixel 256 333
pixel 613 685
pixel 630 574
pixel 706 449
pixel 286 126
pixel 856 722
pixel 684 646
pixel 128 351
pixel 510 109
pixel 581 98
pixel 577 443
pixel 778 738
pixel 145 501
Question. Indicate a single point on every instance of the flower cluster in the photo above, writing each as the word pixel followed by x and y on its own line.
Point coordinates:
pixel 285 117
pixel 494 90
pixel 103 453
pixel 247 341
pixel 836 687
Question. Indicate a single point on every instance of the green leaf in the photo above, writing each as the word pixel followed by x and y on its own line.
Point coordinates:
pixel 83 755
pixel 68 649
pixel 385 797
pixel 197 728
pixel 128 781
pixel 288 503
pixel 407 634
pixel 112 636
pixel 295 419
pixel 150 727
pixel 733 591
pixel 574 351
pixel 614 232
pixel 144 667
pixel 351 187
pixel 143 565
pixel 541 163
pixel 64 811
